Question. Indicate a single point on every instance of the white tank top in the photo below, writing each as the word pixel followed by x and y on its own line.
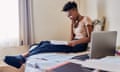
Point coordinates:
pixel 81 30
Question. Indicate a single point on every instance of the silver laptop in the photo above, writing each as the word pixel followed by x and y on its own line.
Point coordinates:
pixel 103 44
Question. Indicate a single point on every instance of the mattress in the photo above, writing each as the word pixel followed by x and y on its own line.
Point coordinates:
pixel 44 61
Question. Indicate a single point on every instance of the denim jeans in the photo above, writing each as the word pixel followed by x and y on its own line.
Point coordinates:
pixel 47 47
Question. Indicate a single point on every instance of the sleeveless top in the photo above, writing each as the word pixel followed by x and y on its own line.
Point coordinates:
pixel 81 30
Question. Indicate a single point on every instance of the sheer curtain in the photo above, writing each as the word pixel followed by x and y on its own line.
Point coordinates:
pixel 9 23
pixel 26 22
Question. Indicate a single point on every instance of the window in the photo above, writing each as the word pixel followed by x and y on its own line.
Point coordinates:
pixel 9 23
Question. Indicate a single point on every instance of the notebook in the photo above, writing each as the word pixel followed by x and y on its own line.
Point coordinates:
pixel 56 42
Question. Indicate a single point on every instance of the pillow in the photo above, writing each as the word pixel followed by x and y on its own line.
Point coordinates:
pixel 98 24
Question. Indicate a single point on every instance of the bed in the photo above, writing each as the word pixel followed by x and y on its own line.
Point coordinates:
pixel 45 61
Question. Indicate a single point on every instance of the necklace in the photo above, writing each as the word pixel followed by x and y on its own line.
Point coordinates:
pixel 78 19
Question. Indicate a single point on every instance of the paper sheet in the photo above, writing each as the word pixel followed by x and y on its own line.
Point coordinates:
pixel 56 42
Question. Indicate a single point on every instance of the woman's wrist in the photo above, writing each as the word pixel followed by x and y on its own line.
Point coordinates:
pixel 72 43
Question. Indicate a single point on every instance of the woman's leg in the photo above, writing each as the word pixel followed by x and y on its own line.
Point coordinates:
pixel 56 48
pixel 48 48
pixel 80 47
pixel 18 60
pixel 36 49
pixel 45 47
pixel 25 54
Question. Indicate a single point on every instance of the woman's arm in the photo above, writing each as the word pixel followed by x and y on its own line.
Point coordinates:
pixel 89 28
pixel 72 33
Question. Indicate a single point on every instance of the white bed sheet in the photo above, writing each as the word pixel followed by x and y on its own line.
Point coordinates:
pixel 41 62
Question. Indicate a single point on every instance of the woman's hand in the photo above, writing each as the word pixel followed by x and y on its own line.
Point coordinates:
pixel 71 43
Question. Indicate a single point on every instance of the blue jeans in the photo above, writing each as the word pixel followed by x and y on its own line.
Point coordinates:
pixel 47 47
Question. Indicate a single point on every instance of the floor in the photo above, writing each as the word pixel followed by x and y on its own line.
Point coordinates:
pixel 11 51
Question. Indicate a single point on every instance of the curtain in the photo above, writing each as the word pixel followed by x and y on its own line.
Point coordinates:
pixel 26 22
pixel 9 23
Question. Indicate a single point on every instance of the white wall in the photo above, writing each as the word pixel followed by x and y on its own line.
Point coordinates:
pixel 108 8
pixel 113 16
pixel 49 21
pixel 82 6
pixel 91 7
pixel 88 8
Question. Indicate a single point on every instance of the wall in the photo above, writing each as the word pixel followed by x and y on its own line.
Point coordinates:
pixel 82 7
pixel 91 7
pixel 50 23
pixel 88 8
pixel 109 9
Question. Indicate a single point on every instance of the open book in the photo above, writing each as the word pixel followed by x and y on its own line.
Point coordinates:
pixel 56 42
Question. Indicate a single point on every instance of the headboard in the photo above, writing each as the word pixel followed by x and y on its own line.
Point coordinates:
pixel 99 24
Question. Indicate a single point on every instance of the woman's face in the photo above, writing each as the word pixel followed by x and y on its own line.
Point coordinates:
pixel 72 14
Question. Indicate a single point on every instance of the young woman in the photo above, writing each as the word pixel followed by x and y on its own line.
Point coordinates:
pixel 80 36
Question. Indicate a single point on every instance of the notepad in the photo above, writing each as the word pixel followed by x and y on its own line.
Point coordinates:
pixel 56 42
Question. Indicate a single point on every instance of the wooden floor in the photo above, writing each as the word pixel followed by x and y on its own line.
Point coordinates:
pixel 11 51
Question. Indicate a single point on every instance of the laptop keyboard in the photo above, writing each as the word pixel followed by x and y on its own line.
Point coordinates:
pixel 81 57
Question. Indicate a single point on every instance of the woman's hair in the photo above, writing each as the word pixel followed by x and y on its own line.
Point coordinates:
pixel 69 5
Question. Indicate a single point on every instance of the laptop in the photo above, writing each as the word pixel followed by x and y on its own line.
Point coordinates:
pixel 102 44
